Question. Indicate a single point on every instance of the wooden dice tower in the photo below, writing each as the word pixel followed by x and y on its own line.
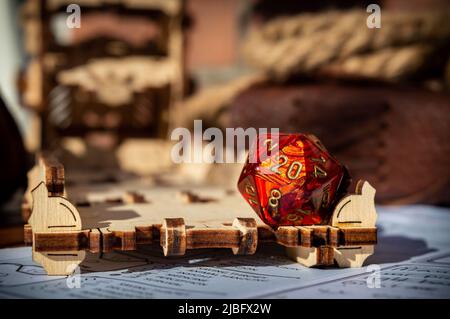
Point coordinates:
pixel 61 231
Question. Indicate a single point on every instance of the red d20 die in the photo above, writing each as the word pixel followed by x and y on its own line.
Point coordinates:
pixel 291 179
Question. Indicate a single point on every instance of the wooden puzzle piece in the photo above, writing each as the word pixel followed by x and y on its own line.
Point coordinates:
pixel 52 213
pixel 61 233
pixel 353 221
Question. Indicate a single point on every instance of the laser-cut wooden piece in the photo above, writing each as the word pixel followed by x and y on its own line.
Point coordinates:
pixel 130 57
pixel 61 232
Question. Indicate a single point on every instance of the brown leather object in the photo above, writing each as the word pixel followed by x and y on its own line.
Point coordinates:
pixel 13 158
pixel 396 138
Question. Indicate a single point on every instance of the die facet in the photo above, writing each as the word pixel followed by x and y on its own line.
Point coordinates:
pixel 291 179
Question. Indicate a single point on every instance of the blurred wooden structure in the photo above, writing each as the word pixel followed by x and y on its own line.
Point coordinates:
pixel 120 72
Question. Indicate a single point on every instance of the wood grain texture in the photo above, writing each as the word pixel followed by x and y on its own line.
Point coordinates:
pixel 48 171
pixel 225 237
pixel 73 240
pixel 144 234
pixel 95 241
pixel 248 236
pixel 305 236
pixel 358 236
pixel 173 237
pixel 107 240
pixel 53 175
pixel 288 236
pixel 125 240
pixel 325 256
pixel 27 235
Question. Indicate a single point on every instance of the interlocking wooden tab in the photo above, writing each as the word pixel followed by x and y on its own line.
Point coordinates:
pixel 94 241
pixel 248 236
pixel 173 237
pixel 288 236
pixel 71 240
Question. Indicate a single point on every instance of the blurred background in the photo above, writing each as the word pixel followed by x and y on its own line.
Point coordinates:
pixel 104 97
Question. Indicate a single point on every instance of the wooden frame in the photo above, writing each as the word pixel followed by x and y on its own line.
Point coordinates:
pixel 62 232
pixel 52 84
